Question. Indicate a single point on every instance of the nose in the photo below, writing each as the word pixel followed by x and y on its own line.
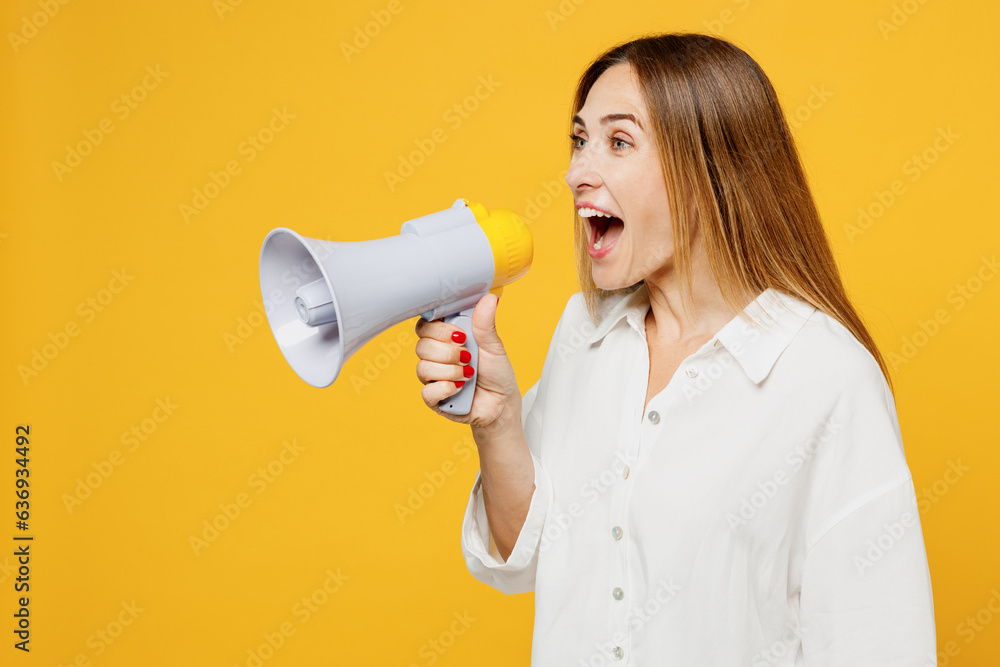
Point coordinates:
pixel 582 173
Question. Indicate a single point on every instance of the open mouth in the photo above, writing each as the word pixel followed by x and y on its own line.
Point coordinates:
pixel 605 231
pixel 604 227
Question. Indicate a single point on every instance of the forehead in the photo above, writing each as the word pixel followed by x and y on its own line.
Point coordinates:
pixel 615 91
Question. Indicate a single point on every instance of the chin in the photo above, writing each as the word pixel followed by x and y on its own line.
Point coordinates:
pixel 602 280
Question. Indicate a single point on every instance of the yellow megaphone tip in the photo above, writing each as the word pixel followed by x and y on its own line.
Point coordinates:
pixel 510 239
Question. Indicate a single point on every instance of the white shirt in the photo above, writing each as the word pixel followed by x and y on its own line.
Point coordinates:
pixel 760 513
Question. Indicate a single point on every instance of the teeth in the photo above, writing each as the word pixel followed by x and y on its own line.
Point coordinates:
pixel 591 212
pixel 599 242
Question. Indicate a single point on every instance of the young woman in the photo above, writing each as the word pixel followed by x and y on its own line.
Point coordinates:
pixel 709 470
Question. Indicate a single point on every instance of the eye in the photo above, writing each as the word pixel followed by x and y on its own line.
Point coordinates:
pixel 615 141
pixel 575 139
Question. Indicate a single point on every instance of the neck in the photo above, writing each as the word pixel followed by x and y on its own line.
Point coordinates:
pixel 706 313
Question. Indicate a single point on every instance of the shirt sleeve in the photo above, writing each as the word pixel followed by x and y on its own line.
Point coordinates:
pixel 866 596
pixel 866 591
pixel 517 573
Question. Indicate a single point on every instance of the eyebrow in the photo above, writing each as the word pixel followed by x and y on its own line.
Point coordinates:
pixel 611 117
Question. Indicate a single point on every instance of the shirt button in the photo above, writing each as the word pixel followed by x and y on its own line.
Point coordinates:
pixel 692 372
pixel 625 472
pixel 616 532
pixel 618 652
pixel 618 593
pixel 654 416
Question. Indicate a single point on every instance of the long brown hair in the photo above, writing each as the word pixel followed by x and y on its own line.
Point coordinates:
pixel 726 148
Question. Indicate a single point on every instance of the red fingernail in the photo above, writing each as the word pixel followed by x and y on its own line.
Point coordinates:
pixel 459 384
pixel 465 356
pixel 458 337
pixel 467 371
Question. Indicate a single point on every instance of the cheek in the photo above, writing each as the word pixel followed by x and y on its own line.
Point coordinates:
pixel 655 225
pixel 650 236
pixel 656 192
pixel 651 239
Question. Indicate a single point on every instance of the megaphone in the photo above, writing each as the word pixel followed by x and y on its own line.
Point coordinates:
pixel 329 298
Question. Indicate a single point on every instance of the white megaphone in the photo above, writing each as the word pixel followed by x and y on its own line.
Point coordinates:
pixel 329 298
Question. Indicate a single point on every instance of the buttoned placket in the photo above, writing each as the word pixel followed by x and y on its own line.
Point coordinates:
pixel 639 433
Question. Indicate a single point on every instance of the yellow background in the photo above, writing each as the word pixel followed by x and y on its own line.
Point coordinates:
pixel 183 325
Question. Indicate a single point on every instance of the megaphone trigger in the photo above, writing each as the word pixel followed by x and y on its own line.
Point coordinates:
pixel 460 403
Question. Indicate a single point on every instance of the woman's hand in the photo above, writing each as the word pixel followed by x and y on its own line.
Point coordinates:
pixel 497 400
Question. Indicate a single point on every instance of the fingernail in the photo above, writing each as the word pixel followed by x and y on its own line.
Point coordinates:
pixel 467 371
pixel 458 336
pixel 459 384
pixel 465 356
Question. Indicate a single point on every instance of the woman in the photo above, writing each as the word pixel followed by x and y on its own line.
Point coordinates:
pixel 709 470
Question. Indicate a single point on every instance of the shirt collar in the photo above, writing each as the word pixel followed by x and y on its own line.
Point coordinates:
pixel 755 347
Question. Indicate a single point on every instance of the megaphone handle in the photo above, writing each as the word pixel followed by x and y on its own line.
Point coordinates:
pixel 460 403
